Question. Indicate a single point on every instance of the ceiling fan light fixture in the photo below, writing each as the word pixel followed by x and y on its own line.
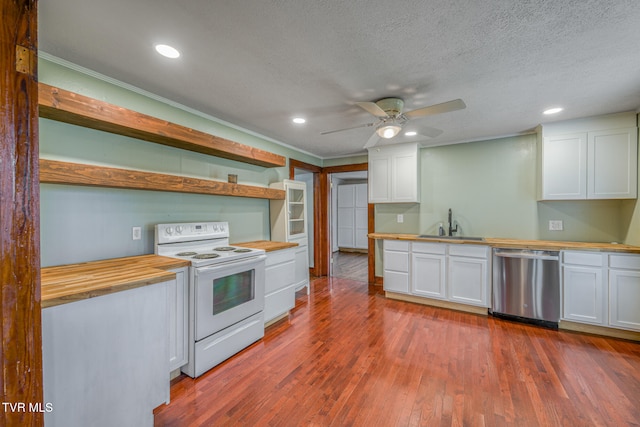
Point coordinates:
pixel 388 130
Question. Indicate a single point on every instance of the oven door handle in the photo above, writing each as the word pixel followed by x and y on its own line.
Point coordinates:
pixel 233 264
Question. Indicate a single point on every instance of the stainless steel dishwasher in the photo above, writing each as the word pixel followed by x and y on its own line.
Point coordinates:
pixel 526 285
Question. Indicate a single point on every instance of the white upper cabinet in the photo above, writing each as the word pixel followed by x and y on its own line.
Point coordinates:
pixel 394 174
pixel 593 158
pixel 289 216
pixel 612 164
pixel 564 167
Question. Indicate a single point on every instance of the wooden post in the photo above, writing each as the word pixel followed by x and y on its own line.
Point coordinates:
pixel 21 354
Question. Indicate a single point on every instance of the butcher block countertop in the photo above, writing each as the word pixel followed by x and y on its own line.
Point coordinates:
pixel 68 283
pixel 267 245
pixel 516 243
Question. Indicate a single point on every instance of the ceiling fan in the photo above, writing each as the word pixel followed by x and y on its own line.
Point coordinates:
pixel 391 117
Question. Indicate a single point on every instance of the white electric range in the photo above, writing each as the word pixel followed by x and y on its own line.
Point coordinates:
pixel 226 290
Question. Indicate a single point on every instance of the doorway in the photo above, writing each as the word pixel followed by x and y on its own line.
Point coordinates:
pixel 348 224
pixel 321 197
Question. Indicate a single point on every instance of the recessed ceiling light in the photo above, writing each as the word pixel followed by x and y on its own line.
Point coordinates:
pixel 299 120
pixel 411 133
pixel 168 51
pixel 552 111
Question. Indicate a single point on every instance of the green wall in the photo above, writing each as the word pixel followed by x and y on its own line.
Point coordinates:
pixel 491 188
pixel 489 185
pixel 81 224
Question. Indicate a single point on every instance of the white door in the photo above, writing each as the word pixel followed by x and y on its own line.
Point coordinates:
pixel 612 167
pixel 584 299
pixel 177 300
pixel 468 281
pixel 379 179
pixel 564 167
pixel 624 298
pixel 404 178
pixel 361 217
pixel 346 215
pixel 428 275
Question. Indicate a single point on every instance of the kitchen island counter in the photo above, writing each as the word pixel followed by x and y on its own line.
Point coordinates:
pixel 515 243
pixel 74 282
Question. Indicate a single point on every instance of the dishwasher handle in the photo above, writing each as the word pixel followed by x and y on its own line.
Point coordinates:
pixel 542 255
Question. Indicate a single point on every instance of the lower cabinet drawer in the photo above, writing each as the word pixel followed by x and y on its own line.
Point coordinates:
pixel 396 282
pixel 593 259
pixel 278 257
pixel 472 251
pixel 631 262
pixel 279 302
pixel 279 276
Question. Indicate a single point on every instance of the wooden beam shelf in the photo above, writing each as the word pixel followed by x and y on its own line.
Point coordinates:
pixel 56 172
pixel 69 107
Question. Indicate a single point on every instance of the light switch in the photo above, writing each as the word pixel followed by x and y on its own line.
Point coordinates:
pixel 400 218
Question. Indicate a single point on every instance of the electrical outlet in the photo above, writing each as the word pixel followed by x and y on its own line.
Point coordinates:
pixel 400 218
pixel 555 225
pixel 136 233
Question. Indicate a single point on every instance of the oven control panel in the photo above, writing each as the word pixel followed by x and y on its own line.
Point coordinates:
pixel 190 231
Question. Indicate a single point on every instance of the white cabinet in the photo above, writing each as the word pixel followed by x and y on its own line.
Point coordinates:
pixel 302 264
pixel 457 273
pixel 584 287
pixel 396 266
pixel 468 274
pixel 106 359
pixel 612 164
pixel 564 167
pixel 624 291
pixel 289 216
pixel 177 303
pixel 394 174
pixel 280 268
pixel 352 216
pixel 289 224
pixel 602 289
pixel 594 158
pixel 428 270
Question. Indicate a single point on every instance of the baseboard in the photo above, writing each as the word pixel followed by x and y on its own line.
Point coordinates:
pixel 483 311
pixel 356 250
pixel 276 319
pixel 599 330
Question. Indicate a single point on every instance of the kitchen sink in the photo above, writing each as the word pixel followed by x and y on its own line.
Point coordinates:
pixel 435 236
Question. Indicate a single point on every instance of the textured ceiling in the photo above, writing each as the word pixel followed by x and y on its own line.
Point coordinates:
pixel 257 64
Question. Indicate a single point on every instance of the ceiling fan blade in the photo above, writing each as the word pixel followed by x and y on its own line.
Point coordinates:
pixel 366 125
pixel 430 132
pixel 445 107
pixel 372 108
pixel 373 140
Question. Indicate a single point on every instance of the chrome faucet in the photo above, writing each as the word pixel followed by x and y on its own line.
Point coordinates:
pixel 451 229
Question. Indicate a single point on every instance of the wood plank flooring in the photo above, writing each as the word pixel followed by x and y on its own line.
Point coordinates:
pixel 347 356
pixel 350 265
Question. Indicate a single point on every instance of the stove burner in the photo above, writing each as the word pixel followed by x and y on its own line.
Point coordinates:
pixel 186 253
pixel 242 250
pixel 224 248
pixel 205 256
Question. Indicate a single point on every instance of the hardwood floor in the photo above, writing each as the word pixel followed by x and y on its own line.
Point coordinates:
pixel 350 265
pixel 347 356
